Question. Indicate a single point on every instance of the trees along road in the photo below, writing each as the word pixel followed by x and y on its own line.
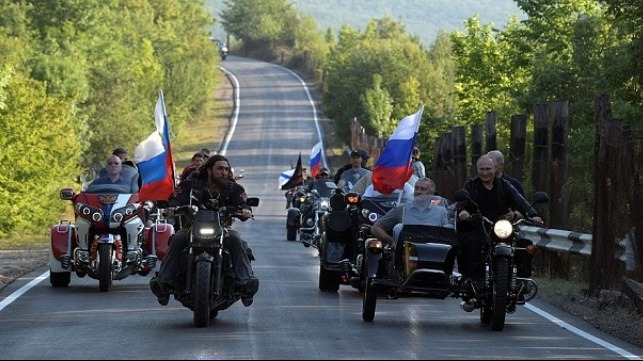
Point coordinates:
pixel 290 317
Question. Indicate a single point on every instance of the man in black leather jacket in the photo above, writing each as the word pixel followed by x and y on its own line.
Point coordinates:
pixel 210 181
pixel 497 199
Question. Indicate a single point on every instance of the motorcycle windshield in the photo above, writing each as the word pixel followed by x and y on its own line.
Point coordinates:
pixel 325 189
pixel 380 204
pixel 108 189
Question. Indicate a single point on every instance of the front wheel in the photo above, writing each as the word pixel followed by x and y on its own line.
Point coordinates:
pixel 201 294
pixel 500 294
pixel 105 267
pixel 369 301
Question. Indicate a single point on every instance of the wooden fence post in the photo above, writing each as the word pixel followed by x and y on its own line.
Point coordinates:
pixel 490 121
pixel 459 158
pixel 558 209
pixel 516 159
pixel 476 146
pixel 541 146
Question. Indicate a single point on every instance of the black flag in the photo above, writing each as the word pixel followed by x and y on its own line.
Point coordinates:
pixel 297 177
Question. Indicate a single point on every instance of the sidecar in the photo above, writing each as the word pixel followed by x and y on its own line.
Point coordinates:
pixel 421 265
pixel 106 221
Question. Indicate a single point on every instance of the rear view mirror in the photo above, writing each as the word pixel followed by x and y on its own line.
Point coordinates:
pixel 252 201
pixel 67 194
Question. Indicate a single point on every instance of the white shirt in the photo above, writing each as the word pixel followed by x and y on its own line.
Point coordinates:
pixel 406 193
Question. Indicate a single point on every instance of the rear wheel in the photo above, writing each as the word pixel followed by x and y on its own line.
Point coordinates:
pixel 59 279
pixel 105 267
pixel 369 301
pixel 328 280
pixel 291 233
pixel 201 295
pixel 500 294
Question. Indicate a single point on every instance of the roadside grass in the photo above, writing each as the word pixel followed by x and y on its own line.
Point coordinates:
pixel 560 286
pixel 25 242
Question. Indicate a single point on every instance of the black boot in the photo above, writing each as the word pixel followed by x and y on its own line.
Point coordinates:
pixel 248 291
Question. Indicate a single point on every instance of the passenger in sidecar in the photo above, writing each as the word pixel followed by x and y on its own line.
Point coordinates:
pixel 417 240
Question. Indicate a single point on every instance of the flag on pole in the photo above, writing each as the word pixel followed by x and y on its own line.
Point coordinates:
pixel 285 176
pixel 153 156
pixel 297 177
pixel 393 167
pixel 315 160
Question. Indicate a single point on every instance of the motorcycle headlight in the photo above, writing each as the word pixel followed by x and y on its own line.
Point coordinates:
pixel 124 213
pixel 89 213
pixel 324 204
pixel 503 229
pixel 206 227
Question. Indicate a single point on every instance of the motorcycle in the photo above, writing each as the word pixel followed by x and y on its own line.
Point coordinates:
pixel 305 215
pixel 223 51
pixel 368 211
pixel 109 239
pixel 422 265
pixel 210 278
pixel 338 243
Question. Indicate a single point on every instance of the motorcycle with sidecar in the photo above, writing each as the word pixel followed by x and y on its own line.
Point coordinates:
pixel 109 239
pixel 422 265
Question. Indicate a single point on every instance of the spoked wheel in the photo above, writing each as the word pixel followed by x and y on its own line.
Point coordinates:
pixel 201 295
pixel 369 301
pixel 105 267
pixel 500 294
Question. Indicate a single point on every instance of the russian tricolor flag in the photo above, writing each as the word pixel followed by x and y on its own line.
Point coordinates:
pixel 315 160
pixel 393 167
pixel 153 156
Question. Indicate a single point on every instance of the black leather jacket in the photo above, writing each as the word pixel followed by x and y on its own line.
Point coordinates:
pixel 507 198
pixel 232 194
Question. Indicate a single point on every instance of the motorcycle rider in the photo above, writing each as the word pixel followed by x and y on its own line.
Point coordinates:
pixel 114 175
pixel 319 184
pixel 496 198
pixel 209 182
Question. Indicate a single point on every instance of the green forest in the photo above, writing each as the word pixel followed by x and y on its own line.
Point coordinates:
pixel 78 79
pixel 424 18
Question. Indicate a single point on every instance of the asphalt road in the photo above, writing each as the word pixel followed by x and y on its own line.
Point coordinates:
pixel 290 318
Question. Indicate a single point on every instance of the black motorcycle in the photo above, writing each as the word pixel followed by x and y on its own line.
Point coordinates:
pixel 369 210
pixel 304 216
pixel 338 244
pixel 422 265
pixel 210 279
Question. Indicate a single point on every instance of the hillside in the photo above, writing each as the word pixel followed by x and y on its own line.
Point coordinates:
pixel 423 18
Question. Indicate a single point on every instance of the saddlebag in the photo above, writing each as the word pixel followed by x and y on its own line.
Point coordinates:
pixel 63 243
pixel 63 239
pixel 157 239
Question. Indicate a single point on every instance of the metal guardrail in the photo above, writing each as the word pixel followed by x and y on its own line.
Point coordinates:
pixel 577 243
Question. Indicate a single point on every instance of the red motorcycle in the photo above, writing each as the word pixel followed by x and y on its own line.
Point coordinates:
pixel 109 239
